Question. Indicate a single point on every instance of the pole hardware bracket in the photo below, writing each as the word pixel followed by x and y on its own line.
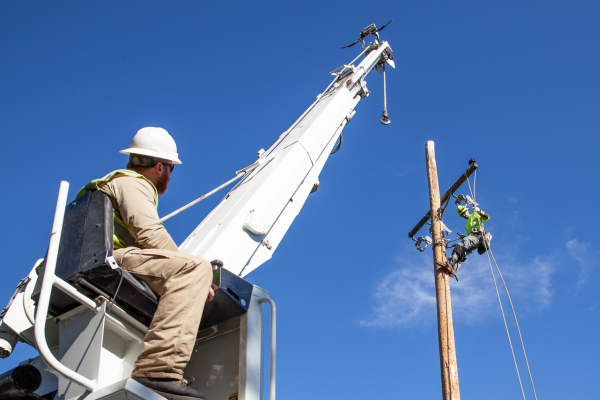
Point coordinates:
pixel 420 240
pixel 440 215
pixel 467 199
pixel 363 91
pixel 446 197
pixel 445 229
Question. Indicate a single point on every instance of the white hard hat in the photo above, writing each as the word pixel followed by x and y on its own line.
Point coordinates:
pixel 153 142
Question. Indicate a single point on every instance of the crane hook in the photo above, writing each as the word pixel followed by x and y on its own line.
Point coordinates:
pixel 385 120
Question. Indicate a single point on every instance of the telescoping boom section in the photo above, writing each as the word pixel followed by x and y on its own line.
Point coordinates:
pixel 250 221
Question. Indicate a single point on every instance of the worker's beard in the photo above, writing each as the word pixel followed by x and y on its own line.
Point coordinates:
pixel 163 182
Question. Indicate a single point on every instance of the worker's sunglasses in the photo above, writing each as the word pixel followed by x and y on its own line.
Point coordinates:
pixel 172 166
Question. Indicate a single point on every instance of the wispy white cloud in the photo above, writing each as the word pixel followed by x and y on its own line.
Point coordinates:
pixel 586 257
pixel 514 220
pixel 405 297
pixel 403 172
pixel 530 282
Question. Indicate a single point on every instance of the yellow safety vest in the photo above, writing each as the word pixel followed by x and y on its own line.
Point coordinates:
pixel 121 236
pixel 475 221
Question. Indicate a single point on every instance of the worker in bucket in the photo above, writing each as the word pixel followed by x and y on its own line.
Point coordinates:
pixel 143 247
pixel 473 240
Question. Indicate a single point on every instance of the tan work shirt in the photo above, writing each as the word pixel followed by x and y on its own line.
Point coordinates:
pixel 134 201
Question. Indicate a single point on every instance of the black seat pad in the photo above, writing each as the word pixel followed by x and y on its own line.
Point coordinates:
pixel 140 285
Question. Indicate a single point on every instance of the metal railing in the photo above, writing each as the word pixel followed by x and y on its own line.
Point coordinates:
pixel 48 281
pixel 273 345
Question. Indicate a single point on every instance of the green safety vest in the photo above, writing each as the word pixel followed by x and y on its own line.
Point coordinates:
pixel 121 236
pixel 475 221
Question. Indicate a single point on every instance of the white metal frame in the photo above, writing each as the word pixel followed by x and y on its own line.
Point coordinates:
pixel 273 345
pixel 123 322
pixel 48 281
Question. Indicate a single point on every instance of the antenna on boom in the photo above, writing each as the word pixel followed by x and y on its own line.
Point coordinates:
pixel 369 30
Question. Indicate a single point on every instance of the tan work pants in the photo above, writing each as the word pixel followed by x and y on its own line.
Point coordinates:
pixel 182 282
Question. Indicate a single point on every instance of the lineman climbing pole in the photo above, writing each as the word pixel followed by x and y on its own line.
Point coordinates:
pixel 448 365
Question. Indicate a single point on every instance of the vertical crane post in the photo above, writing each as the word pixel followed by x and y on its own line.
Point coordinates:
pixel 448 365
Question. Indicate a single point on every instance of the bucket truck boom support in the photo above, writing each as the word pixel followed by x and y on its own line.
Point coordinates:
pixel 249 223
pixel 87 318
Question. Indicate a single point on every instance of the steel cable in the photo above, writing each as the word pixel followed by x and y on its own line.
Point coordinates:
pixel 384 91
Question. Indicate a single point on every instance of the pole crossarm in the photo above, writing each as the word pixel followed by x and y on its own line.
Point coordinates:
pixel 444 198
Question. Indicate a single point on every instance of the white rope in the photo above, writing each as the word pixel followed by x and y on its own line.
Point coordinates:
pixel 505 325
pixel 469 182
pixel 200 198
pixel 474 183
pixel 516 321
pixel 489 252
pixel 500 301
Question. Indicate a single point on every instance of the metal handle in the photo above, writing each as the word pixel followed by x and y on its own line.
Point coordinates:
pixel 48 281
pixel 273 344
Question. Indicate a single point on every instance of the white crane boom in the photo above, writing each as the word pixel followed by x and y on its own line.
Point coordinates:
pixel 90 350
pixel 248 224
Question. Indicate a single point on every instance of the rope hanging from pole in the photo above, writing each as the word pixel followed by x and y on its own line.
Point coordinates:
pixel 516 321
pixel 489 252
pixel 506 326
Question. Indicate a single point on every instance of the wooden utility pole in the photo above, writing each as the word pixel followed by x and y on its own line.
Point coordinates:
pixel 448 364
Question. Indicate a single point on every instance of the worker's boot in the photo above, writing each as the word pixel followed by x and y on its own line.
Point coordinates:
pixel 172 389
pixel 450 270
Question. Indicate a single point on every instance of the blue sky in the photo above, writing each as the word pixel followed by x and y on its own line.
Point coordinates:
pixel 514 85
